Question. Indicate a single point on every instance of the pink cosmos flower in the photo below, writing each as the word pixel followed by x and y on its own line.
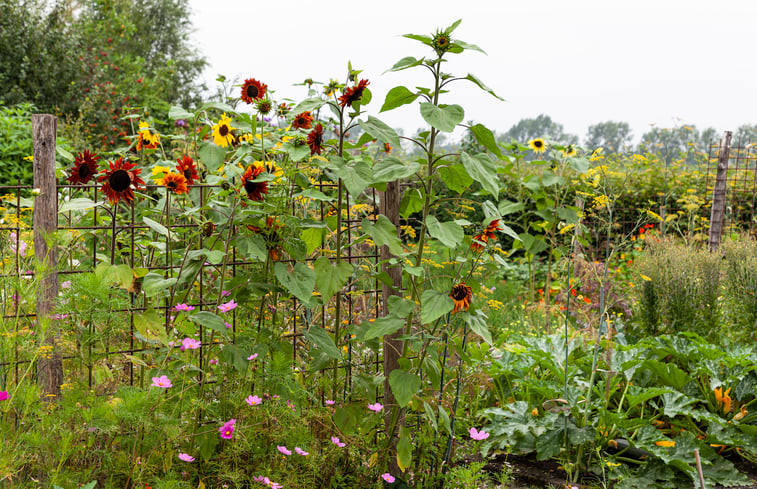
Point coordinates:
pixel 329 402
pixel 283 450
pixel 254 400
pixel 388 477
pixel 228 325
pixel 66 285
pixel 214 361
pixel 227 430
pixel 336 441
pixel 4 395
pixel 290 405
pixel 183 307
pixel 478 435
pixel 186 457
pixel 300 451
pixel 190 344
pixel 228 306
pixel 21 245
pixel 163 381
pixel 252 357
pixel 225 293
pixel 375 407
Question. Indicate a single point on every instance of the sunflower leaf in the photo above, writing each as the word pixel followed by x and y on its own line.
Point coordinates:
pixel 218 106
pixel 477 323
pixel 331 277
pixel 449 30
pixel 383 233
pixel 450 234
pixel 424 39
pixel 79 204
pixel 381 327
pixel 300 282
pixel 435 305
pixel 390 169
pixel 211 155
pixel 482 86
pixel 465 45
pixel 311 103
pixel 481 169
pixel 404 386
pixel 442 117
pixel 485 137
pixel 175 113
pixel 397 97
pixel 380 131
pixel 456 178
pixel 323 341
pixel 405 63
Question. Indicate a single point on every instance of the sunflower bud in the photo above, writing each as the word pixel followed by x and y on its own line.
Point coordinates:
pixel 208 228
pixel 225 185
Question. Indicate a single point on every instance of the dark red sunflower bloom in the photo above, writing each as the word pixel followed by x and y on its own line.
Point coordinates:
pixel 302 121
pixel 485 236
pixel 84 169
pixel 462 295
pixel 315 140
pixel 255 190
pixel 353 94
pixel 186 166
pixel 119 180
pixel 253 90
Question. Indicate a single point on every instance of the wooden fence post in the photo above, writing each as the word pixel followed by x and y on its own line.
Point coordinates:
pixel 718 193
pixel 45 224
pixel 390 207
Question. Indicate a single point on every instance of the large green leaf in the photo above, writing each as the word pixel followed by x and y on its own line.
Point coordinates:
pixel 321 339
pixel 485 137
pixel 380 131
pixel 435 305
pixel 356 176
pixel 478 325
pixel 331 277
pixel 79 204
pixel 156 226
pixel 404 449
pixel 383 233
pixel 442 117
pixel 210 320
pixel 176 113
pixel 400 307
pixel 391 169
pixel 154 284
pixel 482 170
pixel 456 178
pixel 450 234
pixel 211 156
pixel 397 97
pixel 424 39
pixel 405 63
pixel 404 386
pixel 151 327
pixel 300 281
pixel 482 86
pixel 311 103
pixel 382 326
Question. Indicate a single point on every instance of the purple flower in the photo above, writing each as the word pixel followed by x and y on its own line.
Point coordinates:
pixel 283 450
pixel 254 400
pixel 228 325
pixel 21 245
pixel 290 405
pixel 225 293
pixel 388 477
pixel 58 317
pixel 163 381
pixel 180 123
pixel 186 457
pixel 228 306
pixel 478 435
pixel 183 307
pixel 375 407
pixel 329 402
pixel 252 357
pixel 214 361
pixel 66 285
pixel 190 344
pixel 227 430
pixel 4 395
pixel 300 451
pixel 336 441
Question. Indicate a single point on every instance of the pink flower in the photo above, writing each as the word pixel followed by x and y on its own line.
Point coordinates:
pixel 478 435
pixel 66 285
pixel 283 450
pixel 163 381
pixel 228 306
pixel 227 430
pixel 4 395
pixel 190 344
pixel 214 361
pixel 254 400
pixel 375 407
pixel 388 477
pixel 183 307
pixel 336 441
pixel 225 293
pixel 252 357
pixel 186 457
pixel 329 402
pixel 300 451
pixel 228 325
pixel 290 405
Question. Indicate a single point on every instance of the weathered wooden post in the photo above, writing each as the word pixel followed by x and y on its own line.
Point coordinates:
pixel 45 224
pixel 718 193
pixel 390 207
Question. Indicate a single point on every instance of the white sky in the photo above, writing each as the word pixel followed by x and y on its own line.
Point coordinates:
pixel 666 62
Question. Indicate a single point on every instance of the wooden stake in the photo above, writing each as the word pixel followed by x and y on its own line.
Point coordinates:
pixel 45 225
pixel 719 193
pixel 699 469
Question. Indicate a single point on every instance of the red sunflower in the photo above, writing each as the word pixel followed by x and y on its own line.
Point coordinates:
pixel 255 190
pixel 253 90
pixel 119 180
pixel 186 166
pixel 175 182
pixel 462 295
pixel 353 94
pixel 315 140
pixel 485 236
pixel 84 169
pixel 303 120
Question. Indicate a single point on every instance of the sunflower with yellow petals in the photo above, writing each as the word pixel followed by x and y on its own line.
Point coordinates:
pixel 538 145
pixel 223 134
pixel 146 138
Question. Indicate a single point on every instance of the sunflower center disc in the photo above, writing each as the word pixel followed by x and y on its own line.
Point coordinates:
pixel 252 91
pixel 83 171
pixel 119 180
pixel 250 186
pixel 223 130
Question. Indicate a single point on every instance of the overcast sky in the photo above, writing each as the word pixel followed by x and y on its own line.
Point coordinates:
pixel 663 62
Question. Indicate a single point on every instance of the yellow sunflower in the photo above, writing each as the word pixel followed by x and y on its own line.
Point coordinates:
pixel 222 132
pixel 538 145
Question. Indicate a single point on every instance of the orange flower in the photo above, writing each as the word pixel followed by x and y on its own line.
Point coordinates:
pixel 186 166
pixel 85 168
pixel 253 90
pixel 303 120
pixel 724 399
pixel 462 295
pixel 315 140
pixel 255 190
pixel 485 236
pixel 119 180
pixel 353 94
pixel 665 443
pixel 587 300
pixel 175 182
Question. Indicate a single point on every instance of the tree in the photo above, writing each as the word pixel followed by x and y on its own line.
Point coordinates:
pixel 614 137
pixel 541 127
pixel 683 142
